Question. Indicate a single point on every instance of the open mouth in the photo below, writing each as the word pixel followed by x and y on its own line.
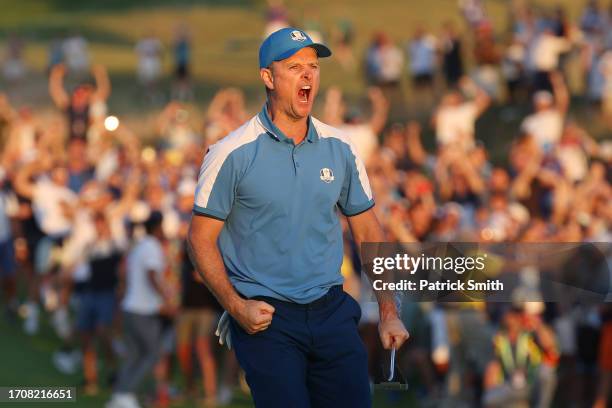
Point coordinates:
pixel 304 94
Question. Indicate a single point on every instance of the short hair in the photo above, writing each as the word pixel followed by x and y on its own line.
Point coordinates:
pixel 153 222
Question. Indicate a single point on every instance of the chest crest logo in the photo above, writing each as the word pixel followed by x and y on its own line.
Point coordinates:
pixel 327 175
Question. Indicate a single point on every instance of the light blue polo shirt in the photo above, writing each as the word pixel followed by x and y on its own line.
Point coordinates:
pixel 282 236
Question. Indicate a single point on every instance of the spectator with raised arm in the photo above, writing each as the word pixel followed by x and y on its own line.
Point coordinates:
pixel 53 206
pixel 363 133
pixel 83 104
pixel 455 118
pixel 545 125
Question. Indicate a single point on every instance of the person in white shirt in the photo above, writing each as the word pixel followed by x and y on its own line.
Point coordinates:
pixel 144 302
pixel 545 125
pixel 149 69
pixel 76 53
pixel 391 63
pixel 363 133
pixel 53 206
pixel 384 62
pixel 545 53
pixel 455 118
pixel 149 59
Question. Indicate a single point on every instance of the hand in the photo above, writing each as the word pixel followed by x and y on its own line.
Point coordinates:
pixel 413 129
pixel 392 333
pixel 375 93
pixel 97 69
pixel 168 309
pixel 253 315
pixel 467 84
pixel 334 95
pixel 223 331
pixel 59 69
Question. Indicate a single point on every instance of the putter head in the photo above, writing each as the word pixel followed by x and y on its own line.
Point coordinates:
pixel 391 385
pixel 391 379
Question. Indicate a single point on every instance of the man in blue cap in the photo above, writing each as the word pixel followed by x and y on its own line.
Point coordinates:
pixel 267 240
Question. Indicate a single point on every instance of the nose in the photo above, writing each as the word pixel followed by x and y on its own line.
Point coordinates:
pixel 307 73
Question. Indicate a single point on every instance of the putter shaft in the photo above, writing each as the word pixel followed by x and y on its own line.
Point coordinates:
pixel 392 368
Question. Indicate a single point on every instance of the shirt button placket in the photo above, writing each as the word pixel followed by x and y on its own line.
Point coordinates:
pixel 296 163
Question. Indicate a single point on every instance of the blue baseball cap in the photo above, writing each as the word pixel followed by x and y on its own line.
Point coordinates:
pixel 284 43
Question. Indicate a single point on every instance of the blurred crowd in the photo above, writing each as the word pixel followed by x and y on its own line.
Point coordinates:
pixel 93 220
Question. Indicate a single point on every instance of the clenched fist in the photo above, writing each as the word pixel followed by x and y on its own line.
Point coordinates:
pixel 254 315
pixel 392 333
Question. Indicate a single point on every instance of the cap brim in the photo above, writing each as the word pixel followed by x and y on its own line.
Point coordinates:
pixel 322 50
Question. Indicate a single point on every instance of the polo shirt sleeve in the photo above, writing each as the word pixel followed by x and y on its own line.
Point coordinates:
pixel 356 194
pixel 217 182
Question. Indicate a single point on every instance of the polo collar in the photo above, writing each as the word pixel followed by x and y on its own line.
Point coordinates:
pixel 311 134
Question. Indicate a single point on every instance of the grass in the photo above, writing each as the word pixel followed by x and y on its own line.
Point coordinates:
pixel 27 362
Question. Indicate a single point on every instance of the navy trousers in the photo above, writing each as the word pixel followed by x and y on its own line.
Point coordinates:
pixel 311 356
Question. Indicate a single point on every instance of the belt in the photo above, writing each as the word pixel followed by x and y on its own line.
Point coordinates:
pixel 323 301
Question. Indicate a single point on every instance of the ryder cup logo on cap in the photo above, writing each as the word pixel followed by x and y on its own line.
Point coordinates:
pixel 284 43
pixel 298 36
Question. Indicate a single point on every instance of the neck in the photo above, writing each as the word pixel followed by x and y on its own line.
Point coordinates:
pixel 293 128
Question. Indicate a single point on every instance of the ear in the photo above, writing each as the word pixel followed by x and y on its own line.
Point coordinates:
pixel 267 77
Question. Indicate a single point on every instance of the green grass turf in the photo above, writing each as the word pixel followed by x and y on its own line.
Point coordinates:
pixel 27 361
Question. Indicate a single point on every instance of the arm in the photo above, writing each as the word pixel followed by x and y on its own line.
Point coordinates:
pixel 442 177
pixel 252 315
pixel 560 91
pixel 521 186
pixel 23 185
pixel 11 153
pixel 380 109
pixel 103 86
pixel 413 141
pixel 365 228
pixel 481 98
pixel 493 375
pixel 589 144
pixel 482 101
pixel 216 105
pixel 333 106
pixel 129 195
pixel 130 142
pixel 153 278
pixel 394 224
pixel 6 110
pixel 56 87
pixel 165 117
pixel 475 181
pixel 434 118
